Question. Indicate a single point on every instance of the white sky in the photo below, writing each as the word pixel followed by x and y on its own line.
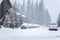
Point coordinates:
pixel 52 5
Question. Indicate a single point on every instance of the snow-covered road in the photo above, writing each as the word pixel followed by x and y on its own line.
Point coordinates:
pixel 28 34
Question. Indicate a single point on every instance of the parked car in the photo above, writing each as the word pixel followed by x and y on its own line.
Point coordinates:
pixel 29 25
pixel 53 27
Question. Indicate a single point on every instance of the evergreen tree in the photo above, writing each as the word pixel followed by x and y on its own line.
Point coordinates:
pixel 36 12
pixel 23 10
pixel 23 7
pixel 28 11
pixel 41 13
pixel 14 14
pixel 32 12
pixel 15 4
pixel 47 18
pixel 18 18
pixel 44 17
pixel 58 22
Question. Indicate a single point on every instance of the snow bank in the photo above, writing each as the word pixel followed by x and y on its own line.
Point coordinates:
pixel 28 32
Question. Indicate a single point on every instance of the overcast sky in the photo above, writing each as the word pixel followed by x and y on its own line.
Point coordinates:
pixel 52 5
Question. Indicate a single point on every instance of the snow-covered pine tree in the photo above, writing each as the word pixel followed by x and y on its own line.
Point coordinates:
pixel 58 21
pixel 36 11
pixel 47 17
pixel 28 17
pixel 41 13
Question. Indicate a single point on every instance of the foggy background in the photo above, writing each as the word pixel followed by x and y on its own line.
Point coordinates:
pixel 52 5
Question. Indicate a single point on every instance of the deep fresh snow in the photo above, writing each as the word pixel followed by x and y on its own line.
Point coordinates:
pixel 28 34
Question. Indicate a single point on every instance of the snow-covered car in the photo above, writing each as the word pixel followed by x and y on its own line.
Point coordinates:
pixel 24 26
pixel 53 27
pixel 29 25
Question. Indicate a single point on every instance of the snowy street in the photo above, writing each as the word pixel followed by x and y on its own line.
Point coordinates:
pixel 29 34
